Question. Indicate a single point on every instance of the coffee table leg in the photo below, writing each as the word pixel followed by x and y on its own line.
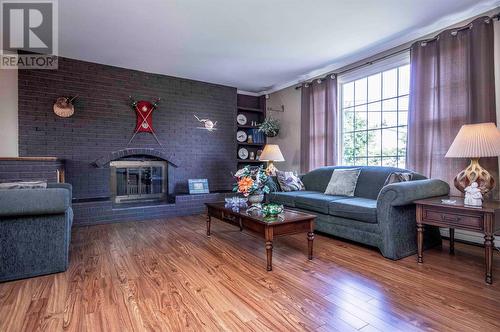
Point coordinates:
pixel 209 219
pixel 310 241
pixel 269 248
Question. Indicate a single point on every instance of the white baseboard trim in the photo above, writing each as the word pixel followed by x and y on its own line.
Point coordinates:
pixel 468 236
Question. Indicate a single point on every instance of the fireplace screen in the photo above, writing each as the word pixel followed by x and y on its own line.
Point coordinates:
pixel 138 180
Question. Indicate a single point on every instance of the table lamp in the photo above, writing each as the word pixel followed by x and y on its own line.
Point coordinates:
pixel 271 154
pixel 475 141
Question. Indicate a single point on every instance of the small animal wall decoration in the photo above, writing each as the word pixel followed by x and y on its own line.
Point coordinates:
pixel 207 124
pixel 144 117
pixel 63 107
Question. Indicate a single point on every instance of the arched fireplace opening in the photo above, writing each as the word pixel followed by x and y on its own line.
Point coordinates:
pixel 139 181
pixel 139 175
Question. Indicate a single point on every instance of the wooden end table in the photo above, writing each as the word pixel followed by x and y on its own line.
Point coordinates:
pixel 293 222
pixel 485 219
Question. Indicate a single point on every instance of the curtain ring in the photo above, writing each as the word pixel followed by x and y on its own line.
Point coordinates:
pixel 423 44
pixel 306 85
pixel 454 33
pixel 318 80
pixel 332 76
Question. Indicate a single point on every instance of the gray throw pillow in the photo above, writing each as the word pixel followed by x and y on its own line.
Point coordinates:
pixel 396 177
pixel 24 185
pixel 343 182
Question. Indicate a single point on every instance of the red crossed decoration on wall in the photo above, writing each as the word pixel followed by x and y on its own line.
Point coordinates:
pixel 144 117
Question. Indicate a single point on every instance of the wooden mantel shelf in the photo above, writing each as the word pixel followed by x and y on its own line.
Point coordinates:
pixel 29 158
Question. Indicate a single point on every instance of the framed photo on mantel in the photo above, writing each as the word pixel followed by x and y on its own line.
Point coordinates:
pixel 198 186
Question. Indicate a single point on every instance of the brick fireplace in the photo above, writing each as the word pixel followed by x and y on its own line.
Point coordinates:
pixel 99 131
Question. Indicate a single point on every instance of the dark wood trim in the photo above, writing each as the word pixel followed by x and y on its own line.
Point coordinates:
pixel 29 159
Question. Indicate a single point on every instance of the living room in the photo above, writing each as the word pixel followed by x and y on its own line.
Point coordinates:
pixel 249 165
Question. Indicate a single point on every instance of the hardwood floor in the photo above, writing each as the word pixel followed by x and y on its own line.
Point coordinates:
pixel 166 275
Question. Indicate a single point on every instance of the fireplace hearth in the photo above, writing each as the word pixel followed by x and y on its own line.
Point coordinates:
pixel 138 181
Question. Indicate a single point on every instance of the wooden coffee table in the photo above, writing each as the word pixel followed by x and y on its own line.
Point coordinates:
pixel 294 222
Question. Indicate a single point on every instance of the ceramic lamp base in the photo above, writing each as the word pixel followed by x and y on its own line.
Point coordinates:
pixel 271 169
pixel 475 173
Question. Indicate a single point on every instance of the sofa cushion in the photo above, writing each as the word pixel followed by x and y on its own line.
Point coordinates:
pixel 358 208
pixel 343 182
pixel 288 181
pixel 287 198
pixel 318 179
pixel 317 202
pixel 372 179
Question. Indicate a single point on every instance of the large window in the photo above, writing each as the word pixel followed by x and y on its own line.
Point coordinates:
pixel 374 112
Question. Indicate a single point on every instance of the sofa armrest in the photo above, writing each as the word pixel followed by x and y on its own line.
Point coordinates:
pixel 405 193
pixel 66 186
pixel 396 216
pixel 18 202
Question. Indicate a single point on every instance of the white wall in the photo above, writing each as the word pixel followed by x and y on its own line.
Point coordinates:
pixel 8 113
pixel 289 137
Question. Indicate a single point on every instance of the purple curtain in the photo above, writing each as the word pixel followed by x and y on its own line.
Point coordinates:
pixel 452 84
pixel 319 122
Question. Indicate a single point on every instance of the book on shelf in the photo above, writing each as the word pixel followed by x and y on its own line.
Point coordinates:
pixel 257 136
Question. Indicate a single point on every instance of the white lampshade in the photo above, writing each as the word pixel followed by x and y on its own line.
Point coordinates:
pixel 476 141
pixel 271 152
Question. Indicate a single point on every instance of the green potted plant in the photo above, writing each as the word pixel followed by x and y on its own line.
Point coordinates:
pixel 270 127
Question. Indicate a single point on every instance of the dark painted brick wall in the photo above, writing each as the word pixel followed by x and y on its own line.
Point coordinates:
pixel 29 170
pixel 104 122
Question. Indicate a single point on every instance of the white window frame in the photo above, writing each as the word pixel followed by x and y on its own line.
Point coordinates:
pixel 392 62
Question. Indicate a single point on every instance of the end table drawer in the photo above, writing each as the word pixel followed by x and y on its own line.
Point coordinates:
pixel 472 221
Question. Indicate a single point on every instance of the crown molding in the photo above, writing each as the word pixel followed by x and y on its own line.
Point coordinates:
pixel 406 37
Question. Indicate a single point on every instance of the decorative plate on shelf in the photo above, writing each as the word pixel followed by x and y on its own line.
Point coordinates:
pixel 241 136
pixel 243 153
pixel 241 119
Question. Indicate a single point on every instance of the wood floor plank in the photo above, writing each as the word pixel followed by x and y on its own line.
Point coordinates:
pixel 167 275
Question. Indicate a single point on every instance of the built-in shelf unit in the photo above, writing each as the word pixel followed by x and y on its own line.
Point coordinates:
pixel 254 109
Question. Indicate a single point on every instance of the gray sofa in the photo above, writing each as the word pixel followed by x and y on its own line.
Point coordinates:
pixel 377 215
pixel 35 231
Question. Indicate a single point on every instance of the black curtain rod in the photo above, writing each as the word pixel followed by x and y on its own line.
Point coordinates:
pixel 371 62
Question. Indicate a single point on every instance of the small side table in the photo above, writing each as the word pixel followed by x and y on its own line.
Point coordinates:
pixel 485 219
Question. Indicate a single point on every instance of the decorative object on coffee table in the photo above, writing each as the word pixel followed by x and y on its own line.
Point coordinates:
pixel 271 154
pixel 475 141
pixel 292 222
pixel 252 182
pixel 432 211
pixel 272 209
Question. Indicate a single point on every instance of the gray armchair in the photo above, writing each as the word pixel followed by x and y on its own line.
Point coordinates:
pixel 35 231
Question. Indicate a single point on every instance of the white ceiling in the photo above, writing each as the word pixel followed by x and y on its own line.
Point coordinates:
pixel 254 45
